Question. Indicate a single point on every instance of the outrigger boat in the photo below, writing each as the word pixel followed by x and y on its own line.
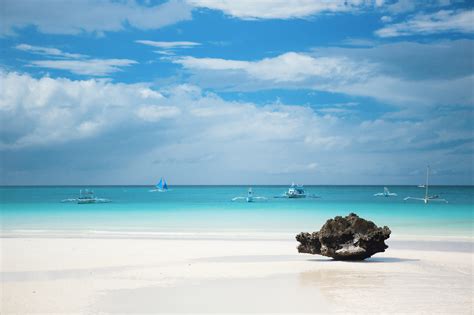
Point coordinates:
pixel 296 191
pixel 427 197
pixel 250 197
pixel 86 196
pixel 385 193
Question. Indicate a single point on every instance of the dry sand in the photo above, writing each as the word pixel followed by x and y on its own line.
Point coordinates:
pixel 91 276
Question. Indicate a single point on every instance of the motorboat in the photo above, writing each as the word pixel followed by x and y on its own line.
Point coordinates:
pixel 296 191
pixel 385 193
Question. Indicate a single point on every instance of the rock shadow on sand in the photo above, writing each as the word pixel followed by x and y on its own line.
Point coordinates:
pixel 367 261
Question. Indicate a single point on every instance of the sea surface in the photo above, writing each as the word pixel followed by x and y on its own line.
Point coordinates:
pixel 209 212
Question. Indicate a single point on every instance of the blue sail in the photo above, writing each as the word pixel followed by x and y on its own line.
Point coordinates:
pixel 160 184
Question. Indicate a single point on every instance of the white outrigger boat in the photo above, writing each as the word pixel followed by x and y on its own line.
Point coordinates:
pixel 86 196
pixel 296 191
pixel 427 198
pixel 385 193
pixel 250 197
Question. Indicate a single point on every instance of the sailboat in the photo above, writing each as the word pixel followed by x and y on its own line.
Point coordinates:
pixel 162 186
pixel 385 193
pixel 427 197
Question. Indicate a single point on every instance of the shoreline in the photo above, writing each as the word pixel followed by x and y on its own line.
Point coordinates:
pixel 227 234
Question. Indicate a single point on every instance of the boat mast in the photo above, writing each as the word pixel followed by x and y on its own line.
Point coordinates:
pixel 427 177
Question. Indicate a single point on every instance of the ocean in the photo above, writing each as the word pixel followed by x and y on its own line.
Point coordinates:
pixel 209 212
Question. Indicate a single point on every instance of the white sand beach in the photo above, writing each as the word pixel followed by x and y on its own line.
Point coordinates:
pixel 119 275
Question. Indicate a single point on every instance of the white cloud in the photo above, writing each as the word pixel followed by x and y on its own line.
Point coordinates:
pixel 402 6
pixel 168 45
pixel 48 111
pixel 177 131
pixel 412 94
pixel 48 51
pixel 386 19
pixel 379 3
pixel 75 17
pixel 279 9
pixel 75 63
pixel 93 67
pixel 400 74
pixel 155 113
pixel 460 21
pixel 164 52
pixel 288 67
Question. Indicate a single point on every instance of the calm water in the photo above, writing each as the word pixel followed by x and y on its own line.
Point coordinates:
pixel 209 209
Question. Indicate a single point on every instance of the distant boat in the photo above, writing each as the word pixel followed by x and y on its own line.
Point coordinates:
pixel 385 193
pixel 427 197
pixel 250 197
pixel 296 191
pixel 86 196
pixel 162 186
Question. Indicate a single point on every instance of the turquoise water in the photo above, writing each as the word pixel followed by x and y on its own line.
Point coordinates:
pixel 205 209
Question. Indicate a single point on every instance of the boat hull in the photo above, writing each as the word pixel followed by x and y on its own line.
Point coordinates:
pixel 295 196
pixel 86 201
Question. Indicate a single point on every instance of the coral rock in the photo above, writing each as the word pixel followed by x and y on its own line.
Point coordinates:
pixel 349 238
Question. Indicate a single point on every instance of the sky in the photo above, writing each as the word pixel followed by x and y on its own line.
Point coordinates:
pixel 236 92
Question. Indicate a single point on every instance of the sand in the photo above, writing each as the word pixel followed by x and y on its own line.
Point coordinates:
pixel 120 275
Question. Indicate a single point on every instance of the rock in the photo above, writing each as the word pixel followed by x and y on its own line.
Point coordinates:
pixel 349 238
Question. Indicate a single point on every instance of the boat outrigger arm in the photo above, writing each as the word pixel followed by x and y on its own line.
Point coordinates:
pixel 427 197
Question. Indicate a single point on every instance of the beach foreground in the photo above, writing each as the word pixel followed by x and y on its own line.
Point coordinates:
pixel 119 275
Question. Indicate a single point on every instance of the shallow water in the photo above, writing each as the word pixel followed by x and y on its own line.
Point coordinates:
pixel 192 211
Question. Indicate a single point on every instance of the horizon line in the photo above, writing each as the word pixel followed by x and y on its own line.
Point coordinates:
pixel 215 185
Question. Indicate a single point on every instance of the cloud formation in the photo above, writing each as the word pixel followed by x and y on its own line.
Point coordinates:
pixel 74 63
pixel 168 48
pixel 279 9
pixel 95 16
pixel 168 45
pixel 362 72
pixel 48 51
pixel 131 127
pixel 444 21
pixel 287 67
pixel 92 67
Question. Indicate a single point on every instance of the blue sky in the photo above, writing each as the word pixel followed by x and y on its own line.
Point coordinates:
pixel 236 92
